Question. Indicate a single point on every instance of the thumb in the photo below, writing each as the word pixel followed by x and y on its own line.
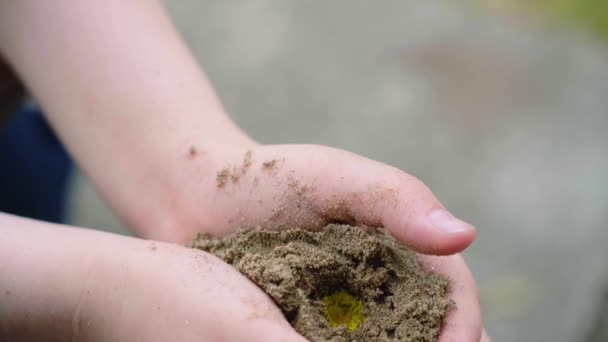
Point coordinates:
pixel 355 189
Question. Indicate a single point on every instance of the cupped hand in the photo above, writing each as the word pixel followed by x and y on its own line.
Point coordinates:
pixel 166 292
pixel 58 283
pixel 220 190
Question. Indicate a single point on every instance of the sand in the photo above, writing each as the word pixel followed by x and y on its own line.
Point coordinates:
pixel 340 283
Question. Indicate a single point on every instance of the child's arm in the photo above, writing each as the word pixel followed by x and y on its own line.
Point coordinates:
pixel 63 284
pixel 121 89
pixel 140 117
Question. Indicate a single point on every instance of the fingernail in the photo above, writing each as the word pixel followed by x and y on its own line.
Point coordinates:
pixel 444 220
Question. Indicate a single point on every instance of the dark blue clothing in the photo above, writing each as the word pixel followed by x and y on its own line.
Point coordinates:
pixel 34 168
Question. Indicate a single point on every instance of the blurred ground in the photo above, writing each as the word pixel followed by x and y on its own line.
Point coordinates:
pixel 505 121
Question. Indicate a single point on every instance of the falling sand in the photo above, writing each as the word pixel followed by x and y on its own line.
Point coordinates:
pixel 340 283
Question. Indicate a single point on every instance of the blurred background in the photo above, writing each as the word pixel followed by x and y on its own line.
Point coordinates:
pixel 500 106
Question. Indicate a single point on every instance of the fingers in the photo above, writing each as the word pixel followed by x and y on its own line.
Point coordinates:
pixel 310 186
pixel 353 188
pixel 463 323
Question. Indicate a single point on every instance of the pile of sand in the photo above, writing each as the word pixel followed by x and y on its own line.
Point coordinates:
pixel 340 283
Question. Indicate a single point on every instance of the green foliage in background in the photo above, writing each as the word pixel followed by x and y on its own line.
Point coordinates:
pixel 591 15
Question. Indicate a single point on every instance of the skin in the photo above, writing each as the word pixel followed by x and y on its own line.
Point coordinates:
pixel 105 287
pixel 143 122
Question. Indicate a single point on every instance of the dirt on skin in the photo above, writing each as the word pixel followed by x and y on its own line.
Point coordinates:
pixel 340 283
pixel 270 164
pixel 235 172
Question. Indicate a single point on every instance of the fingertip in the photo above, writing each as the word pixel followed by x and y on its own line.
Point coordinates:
pixel 437 232
pixel 447 223
pixel 453 234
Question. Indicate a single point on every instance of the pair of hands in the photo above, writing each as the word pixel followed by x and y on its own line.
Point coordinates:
pixel 221 189
pixel 141 119
pixel 93 286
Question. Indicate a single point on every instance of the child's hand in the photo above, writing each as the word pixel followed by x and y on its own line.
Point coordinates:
pixel 220 190
pixel 59 284
pixel 175 294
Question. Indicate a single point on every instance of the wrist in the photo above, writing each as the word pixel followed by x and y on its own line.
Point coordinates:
pixel 169 202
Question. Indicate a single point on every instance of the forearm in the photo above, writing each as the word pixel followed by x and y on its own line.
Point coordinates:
pixel 61 283
pixel 43 272
pixel 120 87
